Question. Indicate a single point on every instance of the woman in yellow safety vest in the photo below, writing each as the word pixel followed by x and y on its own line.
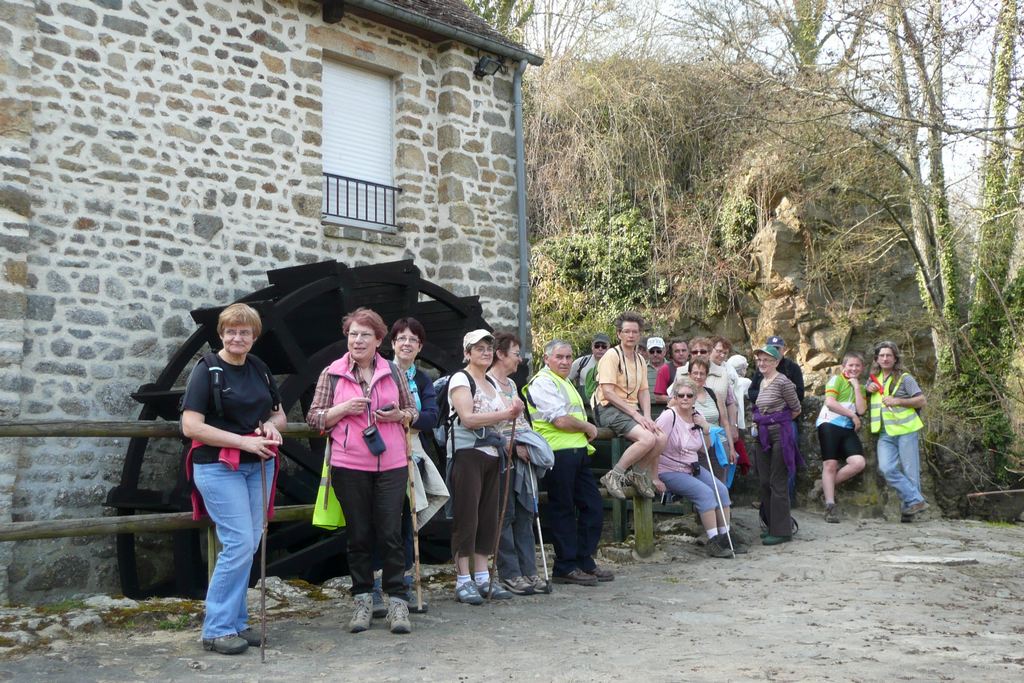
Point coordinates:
pixel 896 398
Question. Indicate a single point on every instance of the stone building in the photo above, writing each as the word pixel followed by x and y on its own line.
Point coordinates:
pixel 161 155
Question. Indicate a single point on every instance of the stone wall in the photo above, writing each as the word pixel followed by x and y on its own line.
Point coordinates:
pixel 163 154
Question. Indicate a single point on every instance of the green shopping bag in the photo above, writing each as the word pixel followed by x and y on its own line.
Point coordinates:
pixel 327 511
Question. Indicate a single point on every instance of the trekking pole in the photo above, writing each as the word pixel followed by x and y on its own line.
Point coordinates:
pixel 718 496
pixel 504 506
pixel 263 567
pixel 415 524
pixel 540 534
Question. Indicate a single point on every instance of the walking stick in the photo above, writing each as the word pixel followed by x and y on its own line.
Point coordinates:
pixel 504 506
pixel 263 567
pixel 415 524
pixel 540 534
pixel 718 496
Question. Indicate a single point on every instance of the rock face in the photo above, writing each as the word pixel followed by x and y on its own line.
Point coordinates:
pixel 821 318
pixel 160 156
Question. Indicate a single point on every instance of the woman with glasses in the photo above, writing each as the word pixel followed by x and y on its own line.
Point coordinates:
pixel 365 404
pixel 517 558
pixel 775 453
pixel 234 434
pixel 482 417
pixel 683 473
pixel 712 406
pixel 407 339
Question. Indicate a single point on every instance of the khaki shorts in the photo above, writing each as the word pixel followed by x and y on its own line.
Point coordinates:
pixel 614 419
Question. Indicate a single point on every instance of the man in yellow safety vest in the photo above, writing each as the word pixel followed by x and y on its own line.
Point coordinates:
pixel 896 398
pixel 574 511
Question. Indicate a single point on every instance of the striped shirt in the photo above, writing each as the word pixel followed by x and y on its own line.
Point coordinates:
pixel 775 395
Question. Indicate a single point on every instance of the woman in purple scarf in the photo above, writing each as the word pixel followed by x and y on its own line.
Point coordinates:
pixel 776 454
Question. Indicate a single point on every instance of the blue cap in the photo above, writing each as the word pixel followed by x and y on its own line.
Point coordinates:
pixel 775 340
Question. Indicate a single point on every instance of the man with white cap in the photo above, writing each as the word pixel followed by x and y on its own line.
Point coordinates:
pixel 655 359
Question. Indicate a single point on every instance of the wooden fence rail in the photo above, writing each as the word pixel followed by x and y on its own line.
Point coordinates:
pixel 643 515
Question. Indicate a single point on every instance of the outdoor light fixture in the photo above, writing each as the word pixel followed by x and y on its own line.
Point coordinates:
pixel 488 66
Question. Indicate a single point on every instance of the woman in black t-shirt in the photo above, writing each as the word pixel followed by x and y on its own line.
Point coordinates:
pixel 231 443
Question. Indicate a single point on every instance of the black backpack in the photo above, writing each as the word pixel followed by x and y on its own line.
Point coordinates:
pixel 214 363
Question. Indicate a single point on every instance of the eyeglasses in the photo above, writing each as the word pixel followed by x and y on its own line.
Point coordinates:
pixel 599 345
pixel 517 354
pixel 407 340
pixel 684 394
pixel 361 335
pixel 482 348
pixel 244 334
pixel 698 352
pixel 655 350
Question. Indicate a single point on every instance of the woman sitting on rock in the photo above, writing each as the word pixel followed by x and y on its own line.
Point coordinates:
pixel 681 472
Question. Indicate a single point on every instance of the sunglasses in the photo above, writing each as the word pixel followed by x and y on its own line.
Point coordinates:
pixel 655 350
pixel 684 394
pixel 698 352
pixel 600 345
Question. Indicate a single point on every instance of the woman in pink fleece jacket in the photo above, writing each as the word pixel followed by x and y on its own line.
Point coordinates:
pixel 365 409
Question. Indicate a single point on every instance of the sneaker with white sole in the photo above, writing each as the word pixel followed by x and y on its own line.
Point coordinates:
pixel 614 483
pixel 641 481
pixel 518 585
pixel 398 616
pixel 362 615
pixel 493 591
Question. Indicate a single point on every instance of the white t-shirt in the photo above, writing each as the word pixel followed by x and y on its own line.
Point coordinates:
pixel 485 400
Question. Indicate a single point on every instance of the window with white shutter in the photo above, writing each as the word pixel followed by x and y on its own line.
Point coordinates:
pixel 357 145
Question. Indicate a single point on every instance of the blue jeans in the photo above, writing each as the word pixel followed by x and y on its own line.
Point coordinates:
pixel 700 490
pixel 233 500
pixel 900 463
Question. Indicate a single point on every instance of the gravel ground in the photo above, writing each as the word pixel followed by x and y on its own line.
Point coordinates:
pixel 863 600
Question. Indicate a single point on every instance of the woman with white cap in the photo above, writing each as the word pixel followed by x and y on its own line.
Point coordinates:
pixel 480 417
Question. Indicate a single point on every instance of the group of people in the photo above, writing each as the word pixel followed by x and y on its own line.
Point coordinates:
pixel 378 415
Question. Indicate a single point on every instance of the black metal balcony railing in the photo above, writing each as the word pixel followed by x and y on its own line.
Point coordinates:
pixel 359 200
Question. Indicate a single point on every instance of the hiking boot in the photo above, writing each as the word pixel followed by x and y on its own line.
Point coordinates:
pixel 468 594
pixel 493 591
pixel 917 507
pixel 398 616
pixel 613 482
pixel 739 546
pixel 539 584
pixel 718 547
pixel 831 513
pixel 380 608
pixel 641 481
pixel 363 613
pixel 226 645
pixel 518 585
pixel 775 540
pixel 577 577
pixel 250 636
pixel 601 574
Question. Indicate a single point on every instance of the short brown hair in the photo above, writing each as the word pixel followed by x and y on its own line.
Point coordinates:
pixel 719 339
pixel 367 317
pixel 242 315
pixel 504 341
pixel 701 362
pixel 702 341
pixel 629 317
